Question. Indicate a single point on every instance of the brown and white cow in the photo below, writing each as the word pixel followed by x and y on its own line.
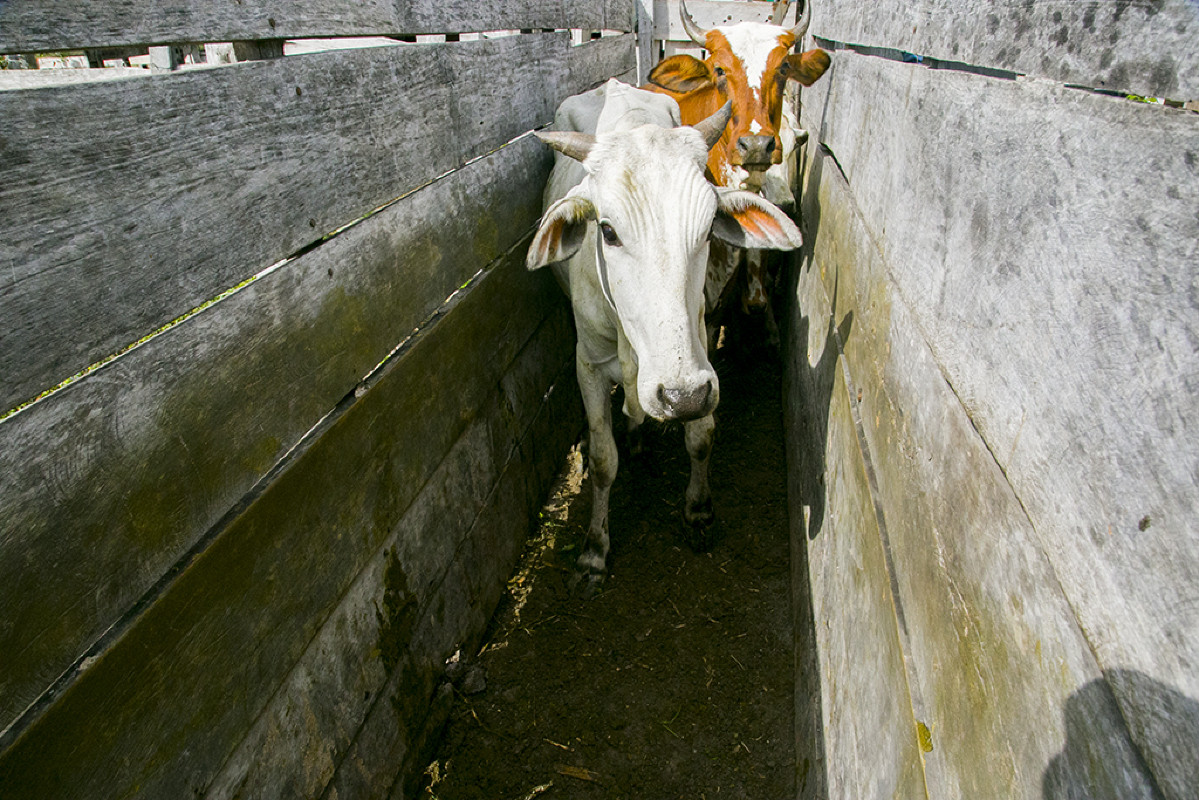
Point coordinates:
pixel 749 64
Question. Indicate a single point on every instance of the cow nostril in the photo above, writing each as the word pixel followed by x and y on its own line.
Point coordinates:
pixel 686 404
pixel 770 147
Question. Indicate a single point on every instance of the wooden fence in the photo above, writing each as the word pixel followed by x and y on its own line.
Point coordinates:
pixel 994 364
pixel 235 557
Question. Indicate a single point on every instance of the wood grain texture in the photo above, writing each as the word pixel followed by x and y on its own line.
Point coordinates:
pixel 668 24
pixel 159 711
pixel 491 480
pixel 40 25
pixel 43 78
pixel 1147 48
pixel 383 742
pixel 1017 233
pixel 646 53
pixel 208 177
pixel 111 481
pixel 867 714
pixel 991 641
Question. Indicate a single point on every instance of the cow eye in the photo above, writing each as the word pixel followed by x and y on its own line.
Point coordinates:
pixel 719 72
pixel 610 237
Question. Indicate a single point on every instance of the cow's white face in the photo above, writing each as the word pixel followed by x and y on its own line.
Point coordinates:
pixel 654 211
pixel 639 222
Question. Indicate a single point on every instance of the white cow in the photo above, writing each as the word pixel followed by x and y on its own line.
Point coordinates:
pixel 627 222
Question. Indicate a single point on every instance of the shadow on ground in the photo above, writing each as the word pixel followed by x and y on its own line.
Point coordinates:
pixel 677 681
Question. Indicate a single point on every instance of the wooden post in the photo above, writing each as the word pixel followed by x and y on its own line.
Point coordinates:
pixel 258 50
pixel 165 58
pixel 218 53
pixel 646 55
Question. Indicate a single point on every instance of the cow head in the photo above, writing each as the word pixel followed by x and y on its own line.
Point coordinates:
pixel 749 65
pixel 647 211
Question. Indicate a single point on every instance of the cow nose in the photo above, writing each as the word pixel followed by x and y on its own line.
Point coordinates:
pixel 755 150
pixel 685 404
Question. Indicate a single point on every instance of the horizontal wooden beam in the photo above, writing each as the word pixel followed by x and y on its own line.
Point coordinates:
pixel 160 709
pixel 171 189
pixel 1143 48
pixel 49 25
pixel 110 482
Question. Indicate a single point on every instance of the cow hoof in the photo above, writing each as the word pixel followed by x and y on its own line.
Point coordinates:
pixel 701 539
pixel 700 515
pixel 590 571
pixel 586 584
pixel 636 442
pixel 700 530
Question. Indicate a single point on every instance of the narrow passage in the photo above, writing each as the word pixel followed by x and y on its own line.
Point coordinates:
pixel 677 681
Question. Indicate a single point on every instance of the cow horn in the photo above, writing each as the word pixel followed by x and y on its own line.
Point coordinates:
pixel 697 34
pixel 712 127
pixel 780 12
pixel 571 143
pixel 805 19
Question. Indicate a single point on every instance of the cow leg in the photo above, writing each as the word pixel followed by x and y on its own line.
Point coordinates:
pixel 757 292
pixel 772 328
pixel 635 438
pixel 602 461
pixel 698 513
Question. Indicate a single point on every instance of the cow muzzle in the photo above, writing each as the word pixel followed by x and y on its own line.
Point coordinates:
pixel 757 152
pixel 687 404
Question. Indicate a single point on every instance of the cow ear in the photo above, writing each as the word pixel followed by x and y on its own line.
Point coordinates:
pixel 746 220
pixel 807 67
pixel 681 74
pixel 561 231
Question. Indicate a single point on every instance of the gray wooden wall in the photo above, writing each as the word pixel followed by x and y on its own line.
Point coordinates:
pixel 993 418
pixel 234 559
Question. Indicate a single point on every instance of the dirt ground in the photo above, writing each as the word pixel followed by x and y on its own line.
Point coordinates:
pixel 677 680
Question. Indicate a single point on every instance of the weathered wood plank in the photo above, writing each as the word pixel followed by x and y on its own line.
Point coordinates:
pixel 42 25
pixel 294 748
pixel 867 716
pixel 668 24
pixel 646 55
pixel 990 639
pixel 111 481
pixel 384 743
pixel 682 48
pixel 210 176
pixel 1148 48
pixel 161 709
pixel 42 78
pixel 1056 317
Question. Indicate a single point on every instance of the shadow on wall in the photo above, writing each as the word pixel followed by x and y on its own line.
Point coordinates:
pixel 810 392
pixel 1098 763
pixel 816 386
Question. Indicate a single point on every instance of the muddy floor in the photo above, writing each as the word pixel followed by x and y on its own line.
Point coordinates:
pixel 677 680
